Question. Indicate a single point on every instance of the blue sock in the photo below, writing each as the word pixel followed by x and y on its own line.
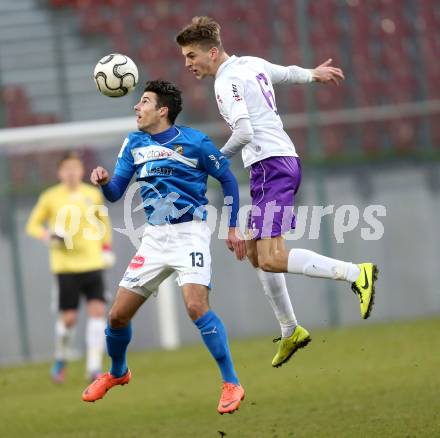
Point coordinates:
pixel 117 340
pixel 216 339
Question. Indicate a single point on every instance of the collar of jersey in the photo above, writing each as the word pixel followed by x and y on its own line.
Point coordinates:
pixel 225 64
pixel 167 136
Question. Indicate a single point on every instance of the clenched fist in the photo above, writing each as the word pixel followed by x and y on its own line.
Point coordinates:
pixel 99 176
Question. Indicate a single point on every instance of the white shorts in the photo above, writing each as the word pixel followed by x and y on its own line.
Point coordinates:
pixel 183 248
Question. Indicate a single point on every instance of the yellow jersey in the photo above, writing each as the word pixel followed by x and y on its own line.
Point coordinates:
pixel 80 218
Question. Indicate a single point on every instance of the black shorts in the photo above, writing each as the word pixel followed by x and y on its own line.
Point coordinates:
pixel 71 286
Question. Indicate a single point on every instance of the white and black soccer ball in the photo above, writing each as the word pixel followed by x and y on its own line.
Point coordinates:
pixel 116 75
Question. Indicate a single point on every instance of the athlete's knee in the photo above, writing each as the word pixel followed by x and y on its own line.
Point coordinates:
pixel 266 264
pixel 196 309
pixel 117 318
pixel 272 262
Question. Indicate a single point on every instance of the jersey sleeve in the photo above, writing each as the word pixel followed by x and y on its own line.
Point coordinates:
pixel 211 159
pixel 105 219
pixel 37 222
pixel 291 74
pixel 231 100
pixel 125 163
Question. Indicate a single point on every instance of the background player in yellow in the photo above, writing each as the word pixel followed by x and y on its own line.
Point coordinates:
pixel 72 219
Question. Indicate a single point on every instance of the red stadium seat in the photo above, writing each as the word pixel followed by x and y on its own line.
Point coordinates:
pixel 368 39
pixel 18 110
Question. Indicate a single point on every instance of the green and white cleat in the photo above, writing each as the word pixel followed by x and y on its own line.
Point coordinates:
pixel 363 287
pixel 288 346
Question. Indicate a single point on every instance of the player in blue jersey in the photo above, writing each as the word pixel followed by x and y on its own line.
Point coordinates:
pixel 172 164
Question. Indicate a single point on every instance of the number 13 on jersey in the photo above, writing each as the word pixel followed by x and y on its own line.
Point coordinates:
pixel 197 259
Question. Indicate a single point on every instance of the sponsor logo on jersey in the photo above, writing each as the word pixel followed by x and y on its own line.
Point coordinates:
pixel 235 93
pixel 148 153
pixel 214 159
pixel 156 171
pixel 151 153
pixel 137 262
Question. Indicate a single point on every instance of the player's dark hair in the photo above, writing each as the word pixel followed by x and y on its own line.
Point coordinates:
pixel 71 155
pixel 203 31
pixel 167 95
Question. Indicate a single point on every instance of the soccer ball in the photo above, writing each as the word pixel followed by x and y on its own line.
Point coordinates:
pixel 116 75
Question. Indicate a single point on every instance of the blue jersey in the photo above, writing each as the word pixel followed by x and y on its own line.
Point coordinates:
pixel 172 174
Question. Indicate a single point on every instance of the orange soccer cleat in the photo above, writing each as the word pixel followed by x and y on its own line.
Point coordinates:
pixel 230 399
pixel 97 389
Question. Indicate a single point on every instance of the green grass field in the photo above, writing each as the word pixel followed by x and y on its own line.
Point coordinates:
pixel 367 381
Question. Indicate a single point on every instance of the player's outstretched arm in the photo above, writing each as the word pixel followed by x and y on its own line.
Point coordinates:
pixel 217 166
pixel 325 73
pixel 235 241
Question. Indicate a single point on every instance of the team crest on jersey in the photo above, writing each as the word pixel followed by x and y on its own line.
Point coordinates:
pixel 219 99
pixel 179 149
pixel 235 93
